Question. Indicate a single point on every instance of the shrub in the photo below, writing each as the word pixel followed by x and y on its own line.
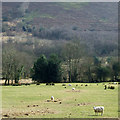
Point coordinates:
pixel 63 84
pixel 52 84
pixel 74 28
pixel 64 78
pixel 38 83
pixel 47 83
pixel 112 87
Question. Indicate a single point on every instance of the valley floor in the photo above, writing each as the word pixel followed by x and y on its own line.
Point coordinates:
pixel 34 101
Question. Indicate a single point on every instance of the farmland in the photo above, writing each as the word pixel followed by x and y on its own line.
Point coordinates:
pixel 31 101
pixel 59 43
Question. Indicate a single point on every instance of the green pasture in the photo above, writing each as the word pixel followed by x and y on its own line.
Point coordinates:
pixel 31 101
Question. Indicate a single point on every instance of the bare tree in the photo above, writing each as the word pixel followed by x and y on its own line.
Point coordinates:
pixel 73 53
pixel 11 66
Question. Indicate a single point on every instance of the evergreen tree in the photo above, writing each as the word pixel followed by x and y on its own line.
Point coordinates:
pixel 40 69
pixel 54 69
pixel 47 71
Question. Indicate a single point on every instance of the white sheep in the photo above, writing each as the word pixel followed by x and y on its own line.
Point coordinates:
pixel 114 83
pixel 73 88
pixel 52 98
pixel 70 85
pixel 99 109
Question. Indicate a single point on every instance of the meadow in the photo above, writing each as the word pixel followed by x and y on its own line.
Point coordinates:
pixel 33 101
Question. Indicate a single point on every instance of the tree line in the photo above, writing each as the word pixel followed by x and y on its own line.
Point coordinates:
pixel 74 64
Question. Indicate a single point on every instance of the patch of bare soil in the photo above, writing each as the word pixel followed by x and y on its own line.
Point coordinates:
pixel 29 113
pixel 57 100
pixel 83 104
pixel 32 105
pixel 73 91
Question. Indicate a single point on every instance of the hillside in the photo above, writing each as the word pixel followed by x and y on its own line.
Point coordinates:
pixel 85 16
pixel 40 26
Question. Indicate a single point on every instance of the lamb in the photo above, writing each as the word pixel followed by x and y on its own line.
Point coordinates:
pixel 52 98
pixel 99 109
pixel 73 88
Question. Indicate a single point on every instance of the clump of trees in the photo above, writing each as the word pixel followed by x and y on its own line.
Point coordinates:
pixel 47 70
pixel 15 65
pixel 72 53
pixel 74 64
pixel 82 66
pixel 12 69
pixel 47 33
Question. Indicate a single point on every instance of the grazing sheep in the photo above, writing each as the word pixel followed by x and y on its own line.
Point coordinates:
pixel 99 109
pixel 70 85
pixel 73 88
pixel 52 98
pixel 114 83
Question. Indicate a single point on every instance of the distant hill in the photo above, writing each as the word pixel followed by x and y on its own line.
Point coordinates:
pixel 84 16
pixel 94 24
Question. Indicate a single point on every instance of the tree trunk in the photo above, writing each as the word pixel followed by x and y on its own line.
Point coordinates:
pixel 12 82
pixel 6 82
pixel 16 81
pixel 89 75
pixel 69 76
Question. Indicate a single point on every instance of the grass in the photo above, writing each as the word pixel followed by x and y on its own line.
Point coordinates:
pixel 30 16
pixel 15 101
pixel 68 6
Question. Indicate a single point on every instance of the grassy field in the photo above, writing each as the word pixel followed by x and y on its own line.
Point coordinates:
pixel 31 101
